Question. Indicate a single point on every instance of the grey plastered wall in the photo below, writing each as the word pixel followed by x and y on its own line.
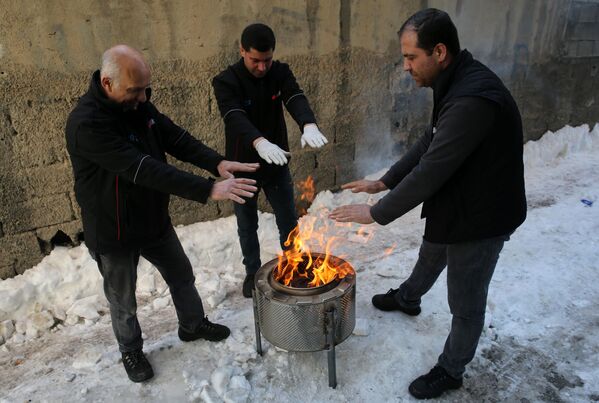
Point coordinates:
pixel 344 52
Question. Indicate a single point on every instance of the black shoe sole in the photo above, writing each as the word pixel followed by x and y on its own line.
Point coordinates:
pixel 141 377
pixel 186 337
pixel 407 311
pixel 422 395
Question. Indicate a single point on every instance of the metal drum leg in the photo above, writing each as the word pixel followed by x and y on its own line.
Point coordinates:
pixel 331 322
pixel 256 324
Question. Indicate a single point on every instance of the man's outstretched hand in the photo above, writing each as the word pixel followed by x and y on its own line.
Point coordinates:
pixel 365 185
pixel 312 136
pixel 233 189
pixel 359 213
pixel 226 168
pixel 271 153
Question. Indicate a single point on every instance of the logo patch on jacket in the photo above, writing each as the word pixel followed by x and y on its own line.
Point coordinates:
pixel 278 94
pixel 151 123
pixel 133 138
pixel 246 102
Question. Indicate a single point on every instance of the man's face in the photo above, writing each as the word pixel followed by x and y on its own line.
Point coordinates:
pixel 130 90
pixel 257 63
pixel 422 67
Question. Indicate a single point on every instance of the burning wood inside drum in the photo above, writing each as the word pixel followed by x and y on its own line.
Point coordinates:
pixel 297 267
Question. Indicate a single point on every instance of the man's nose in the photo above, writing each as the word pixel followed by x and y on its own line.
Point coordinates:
pixel 142 97
pixel 406 65
pixel 262 66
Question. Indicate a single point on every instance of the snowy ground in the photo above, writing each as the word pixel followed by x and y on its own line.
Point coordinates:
pixel 541 341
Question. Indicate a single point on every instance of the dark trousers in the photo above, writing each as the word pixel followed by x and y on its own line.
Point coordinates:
pixel 279 193
pixel 119 271
pixel 470 266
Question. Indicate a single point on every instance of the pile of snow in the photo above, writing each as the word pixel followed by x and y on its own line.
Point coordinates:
pixel 555 146
pixel 539 342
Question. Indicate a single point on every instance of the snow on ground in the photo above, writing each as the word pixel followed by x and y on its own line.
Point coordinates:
pixel 540 342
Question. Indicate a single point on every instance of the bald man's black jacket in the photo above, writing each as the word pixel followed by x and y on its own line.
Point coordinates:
pixel 122 178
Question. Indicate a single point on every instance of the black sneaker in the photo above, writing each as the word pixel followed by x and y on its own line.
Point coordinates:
pixel 207 330
pixel 392 301
pixel 248 285
pixel 137 366
pixel 433 384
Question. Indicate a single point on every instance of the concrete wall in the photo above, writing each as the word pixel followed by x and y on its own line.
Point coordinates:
pixel 539 48
pixel 344 52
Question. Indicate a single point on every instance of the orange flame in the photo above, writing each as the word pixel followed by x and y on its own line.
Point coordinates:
pixel 307 193
pixel 297 265
pixel 307 189
pixel 365 234
pixel 390 249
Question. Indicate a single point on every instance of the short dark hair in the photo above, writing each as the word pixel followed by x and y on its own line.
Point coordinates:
pixel 259 37
pixel 432 27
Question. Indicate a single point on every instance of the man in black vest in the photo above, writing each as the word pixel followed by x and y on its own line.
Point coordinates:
pixel 467 169
pixel 251 94
pixel 117 141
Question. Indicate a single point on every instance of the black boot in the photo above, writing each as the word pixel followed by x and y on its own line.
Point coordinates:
pixel 248 285
pixel 137 366
pixel 433 384
pixel 393 301
pixel 207 330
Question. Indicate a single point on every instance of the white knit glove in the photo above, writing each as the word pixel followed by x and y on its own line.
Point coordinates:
pixel 271 153
pixel 313 137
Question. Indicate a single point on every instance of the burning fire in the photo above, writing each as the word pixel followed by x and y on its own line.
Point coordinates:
pixel 307 191
pixel 298 268
pixel 390 249
pixel 307 188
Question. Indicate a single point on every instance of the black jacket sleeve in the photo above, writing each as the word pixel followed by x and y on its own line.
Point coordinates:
pixel 107 149
pixel 229 98
pixel 294 98
pixel 460 129
pixel 183 146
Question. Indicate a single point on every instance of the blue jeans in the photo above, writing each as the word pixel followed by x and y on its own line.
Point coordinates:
pixel 470 266
pixel 119 271
pixel 279 193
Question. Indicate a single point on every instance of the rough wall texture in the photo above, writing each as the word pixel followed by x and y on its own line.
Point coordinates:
pixel 344 52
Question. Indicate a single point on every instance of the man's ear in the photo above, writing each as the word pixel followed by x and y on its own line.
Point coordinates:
pixel 241 50
pixel 106 84
pixel 440 52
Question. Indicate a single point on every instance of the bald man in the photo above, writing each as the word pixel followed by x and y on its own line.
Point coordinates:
pixel 118 141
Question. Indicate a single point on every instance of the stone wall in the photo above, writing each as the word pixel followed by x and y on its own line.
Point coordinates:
pixel 345 54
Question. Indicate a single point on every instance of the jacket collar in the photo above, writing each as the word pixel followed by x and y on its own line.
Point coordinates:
pixel 243 71
pixel 103 102
pixel 447 76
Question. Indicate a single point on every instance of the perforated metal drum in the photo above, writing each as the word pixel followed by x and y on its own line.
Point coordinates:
pixel 304 319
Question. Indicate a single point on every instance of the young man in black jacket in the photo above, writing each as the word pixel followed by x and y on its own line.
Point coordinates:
pixel 251 94
pixel 117 141
pixel 467 169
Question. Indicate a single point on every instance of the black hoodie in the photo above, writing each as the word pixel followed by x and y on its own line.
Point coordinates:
pixel 122 178
pixel 467 168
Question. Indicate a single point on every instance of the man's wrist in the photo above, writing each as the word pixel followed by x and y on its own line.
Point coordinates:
pixel 381 185
pixel 257 140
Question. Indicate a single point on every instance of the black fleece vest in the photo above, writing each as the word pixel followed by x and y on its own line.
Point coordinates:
pixel 485 197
